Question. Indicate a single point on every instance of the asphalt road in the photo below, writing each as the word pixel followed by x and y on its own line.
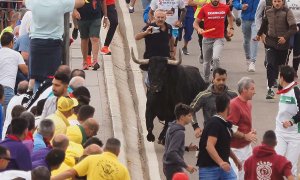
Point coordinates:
pixel 233 60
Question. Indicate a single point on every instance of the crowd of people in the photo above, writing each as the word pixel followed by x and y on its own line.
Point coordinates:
pixel 48 128
pixel 47 125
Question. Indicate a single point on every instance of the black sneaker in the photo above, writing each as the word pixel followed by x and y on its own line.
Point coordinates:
pixel 270 94
pixel 75 34
pixel 96 66
pixel 185 51
pixel 238 22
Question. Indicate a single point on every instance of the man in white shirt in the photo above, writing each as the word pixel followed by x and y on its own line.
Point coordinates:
pixel 10 61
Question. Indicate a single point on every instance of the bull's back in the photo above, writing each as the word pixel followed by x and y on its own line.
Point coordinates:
pixel 189 84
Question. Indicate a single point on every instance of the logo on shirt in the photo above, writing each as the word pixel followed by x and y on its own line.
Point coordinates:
pixel 264 170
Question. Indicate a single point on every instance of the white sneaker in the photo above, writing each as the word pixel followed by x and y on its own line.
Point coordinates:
pixel 251 67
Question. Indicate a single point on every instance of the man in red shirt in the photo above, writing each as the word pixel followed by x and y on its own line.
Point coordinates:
pixel 240 115
pixel 214 15
pixel 265 163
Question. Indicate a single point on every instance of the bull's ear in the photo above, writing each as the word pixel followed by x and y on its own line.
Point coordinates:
pixel 144 67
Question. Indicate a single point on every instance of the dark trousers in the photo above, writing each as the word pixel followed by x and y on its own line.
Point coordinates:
pixel 45 58
pixel 113 20
pixel 275 58
pixel 170 170
pixel 200 37
pixel 296 50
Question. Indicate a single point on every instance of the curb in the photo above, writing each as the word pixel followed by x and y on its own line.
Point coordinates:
pixel 114 104
pixel 151 157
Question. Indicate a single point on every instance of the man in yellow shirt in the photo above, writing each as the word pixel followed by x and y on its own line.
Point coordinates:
pixel 104 166
pixel 80 133
pixel 64 110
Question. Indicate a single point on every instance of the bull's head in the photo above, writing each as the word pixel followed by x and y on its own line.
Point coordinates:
pixel 157 69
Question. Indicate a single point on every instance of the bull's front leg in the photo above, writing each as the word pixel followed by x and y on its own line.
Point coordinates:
pixel 150 125
pixel 162 135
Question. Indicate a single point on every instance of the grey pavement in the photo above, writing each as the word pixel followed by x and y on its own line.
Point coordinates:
pixel 96 85
pixel 233 59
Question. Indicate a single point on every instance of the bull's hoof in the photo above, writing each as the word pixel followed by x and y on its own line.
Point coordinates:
pixel 161 141
pixel 150 137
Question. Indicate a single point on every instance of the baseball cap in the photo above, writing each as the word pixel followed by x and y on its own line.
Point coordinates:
pixel 180 176
pixel 66 103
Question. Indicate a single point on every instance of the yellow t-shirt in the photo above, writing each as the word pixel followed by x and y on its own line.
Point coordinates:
pixel 60 122
pixel 199 7
pixel 105 166
pixel 62 168
pixel 73 152
pixel 7 29
pixel 76 134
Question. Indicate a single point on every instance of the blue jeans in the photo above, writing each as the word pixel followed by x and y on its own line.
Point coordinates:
pixel 8 94
pixel 216 173
pixel 250 46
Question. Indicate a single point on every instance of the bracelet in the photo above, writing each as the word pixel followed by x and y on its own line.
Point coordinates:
pixel 291 123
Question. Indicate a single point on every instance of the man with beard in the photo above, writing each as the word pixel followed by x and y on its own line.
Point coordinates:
pixel 214 15
pixel 60 88
pixel 206 99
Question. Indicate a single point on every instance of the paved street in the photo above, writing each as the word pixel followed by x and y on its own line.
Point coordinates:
pixel 233 60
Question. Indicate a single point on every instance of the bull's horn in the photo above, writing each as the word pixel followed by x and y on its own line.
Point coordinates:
pixel 138 61
pixel 176 62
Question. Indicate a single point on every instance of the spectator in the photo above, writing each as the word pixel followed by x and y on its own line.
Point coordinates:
pixel 39 110
pixel 78 72
pixel 157 36
pixel 213 41
pixel 277 39
pixel 52 161
pixel 89 22
pixel 206 99
pixel 80 133
pixel 76 82
pixel 73 153
pixel 15 113
pixel 4 157
pixel 28 141
pixel 213 161
pixel 85 112
pixel 1 107
pixel 39 173
pixel 59 142
pixel 46 34
pixel 16 100
pixel 45 133
pixel 13 142
pixel 288 118
pixel 93 140
pixel 113 23
pixel 64 111
pixel 175 143
pixel 241 115
pixel 10 61
pixel 249 30
pixel 59 88
pixel 92 149
pixel 92 165
pixel 265 159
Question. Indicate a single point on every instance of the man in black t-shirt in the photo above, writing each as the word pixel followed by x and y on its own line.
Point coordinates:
pixel 157 37
pixel 89 23
pixel 214 146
